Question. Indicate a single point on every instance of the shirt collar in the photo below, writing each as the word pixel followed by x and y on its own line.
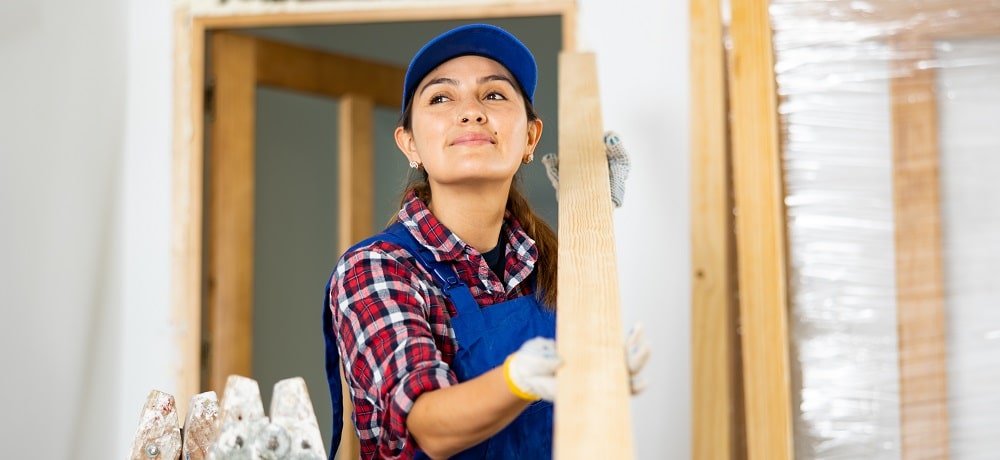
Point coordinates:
pixel 445 245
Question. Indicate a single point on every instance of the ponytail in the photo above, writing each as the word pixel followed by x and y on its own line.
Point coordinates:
pixel 545 241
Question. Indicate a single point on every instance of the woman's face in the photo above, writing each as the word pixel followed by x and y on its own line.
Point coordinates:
pixel 469 124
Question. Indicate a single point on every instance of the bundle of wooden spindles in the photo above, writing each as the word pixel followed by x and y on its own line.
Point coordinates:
pixel 233 428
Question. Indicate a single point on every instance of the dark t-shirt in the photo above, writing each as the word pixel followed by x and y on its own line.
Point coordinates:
pixel 494 258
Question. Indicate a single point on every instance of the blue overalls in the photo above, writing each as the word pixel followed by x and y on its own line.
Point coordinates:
pixel 485 336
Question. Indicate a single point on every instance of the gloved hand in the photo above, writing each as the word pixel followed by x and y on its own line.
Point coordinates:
pixel 636 354
pixel 618 167
pixel 530 372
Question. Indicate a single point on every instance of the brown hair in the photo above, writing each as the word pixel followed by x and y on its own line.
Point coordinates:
pixel 537 229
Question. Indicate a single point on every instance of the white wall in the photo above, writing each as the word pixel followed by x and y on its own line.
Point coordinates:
pixel 60 145
pixel 85 200
pixel 62 107
pixel 642 53
pixel 147 359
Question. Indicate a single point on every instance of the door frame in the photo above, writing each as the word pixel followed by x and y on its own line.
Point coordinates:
pixel 240 64
pixel 192 21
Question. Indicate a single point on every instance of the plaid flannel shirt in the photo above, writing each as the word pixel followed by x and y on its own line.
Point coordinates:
pixel 392 321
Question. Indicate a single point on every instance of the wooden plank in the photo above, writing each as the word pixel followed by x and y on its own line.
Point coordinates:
pixel 760 240
pixel 327 74
pixel 356 159
pixel 287 14
pixel 231 212
pixel 923 370
pixel 157 435
pixel 186 204
pixel 201 429
pixel 568 25
pixel 716 385
pixel 356 190
pixel 592 418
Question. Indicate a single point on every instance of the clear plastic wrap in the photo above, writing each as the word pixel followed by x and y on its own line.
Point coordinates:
pixel 834 63
pixel 969 106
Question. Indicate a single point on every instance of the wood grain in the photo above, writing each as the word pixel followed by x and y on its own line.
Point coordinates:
pixel 232 15
pixel 920 301
pixel 716 381
pixel 327 74
pixel 186 203
pixel 231 210
pixel 592 417
pixel 356 172
pixel 760 234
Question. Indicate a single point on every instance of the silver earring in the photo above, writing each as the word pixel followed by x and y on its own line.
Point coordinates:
pixel 414 164
pixel 529 158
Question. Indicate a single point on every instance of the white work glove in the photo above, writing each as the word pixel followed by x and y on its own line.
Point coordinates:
pixel 530 372
pixel 636 354
pixel 618 167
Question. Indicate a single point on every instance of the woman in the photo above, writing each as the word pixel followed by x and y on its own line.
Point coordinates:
pixel 445 321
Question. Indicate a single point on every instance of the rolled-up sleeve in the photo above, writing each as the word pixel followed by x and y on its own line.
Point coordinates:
pixel 380 313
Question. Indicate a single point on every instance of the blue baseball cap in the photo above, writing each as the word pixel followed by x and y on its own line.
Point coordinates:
pixel 479 40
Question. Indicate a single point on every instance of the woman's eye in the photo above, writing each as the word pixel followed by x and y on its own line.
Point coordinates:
pixel 495 96
pixel 438 99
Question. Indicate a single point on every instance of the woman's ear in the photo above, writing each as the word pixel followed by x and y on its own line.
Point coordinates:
pixel 406 144
pixel 534 135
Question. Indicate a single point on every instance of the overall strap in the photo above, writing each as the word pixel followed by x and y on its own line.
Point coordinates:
pixel 333 370
pixel 447 279
pixel 333 373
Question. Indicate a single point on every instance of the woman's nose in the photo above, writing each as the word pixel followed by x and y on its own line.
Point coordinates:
pixel 473 112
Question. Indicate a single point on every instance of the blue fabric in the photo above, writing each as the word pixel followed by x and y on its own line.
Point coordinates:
pixel 485 336
pixel 333 373
pixel 478 40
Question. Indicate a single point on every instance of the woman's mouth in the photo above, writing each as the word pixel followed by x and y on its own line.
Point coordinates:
pixel 472 139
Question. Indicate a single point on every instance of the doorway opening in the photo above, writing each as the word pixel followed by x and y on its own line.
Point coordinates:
pixel 284 156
